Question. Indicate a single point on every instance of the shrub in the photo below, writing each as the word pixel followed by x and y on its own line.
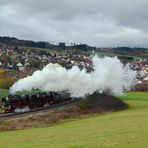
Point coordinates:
pixel 5 83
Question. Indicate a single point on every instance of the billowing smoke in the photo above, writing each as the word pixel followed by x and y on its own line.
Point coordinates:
pixel 109 74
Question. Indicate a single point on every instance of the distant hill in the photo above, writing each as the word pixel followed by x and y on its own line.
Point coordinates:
pixel 11 41
pixel 6 41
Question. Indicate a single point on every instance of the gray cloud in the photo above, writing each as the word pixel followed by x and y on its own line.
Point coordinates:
pixel 95 22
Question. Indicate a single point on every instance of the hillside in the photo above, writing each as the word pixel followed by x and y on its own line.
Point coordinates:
pixel 92 104
pixel 122 52
pixel 122 129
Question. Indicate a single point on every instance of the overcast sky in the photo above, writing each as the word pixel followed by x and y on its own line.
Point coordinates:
pixel 101 23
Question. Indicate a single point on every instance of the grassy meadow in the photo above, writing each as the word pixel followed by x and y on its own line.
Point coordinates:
pixel 123 129
pixel 140 96
pixel 4 93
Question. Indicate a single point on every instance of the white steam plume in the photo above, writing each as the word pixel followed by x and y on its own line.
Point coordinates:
pixel 109 74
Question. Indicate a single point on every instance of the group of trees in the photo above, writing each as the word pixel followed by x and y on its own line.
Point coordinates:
pixel 11 41
pixel 131 51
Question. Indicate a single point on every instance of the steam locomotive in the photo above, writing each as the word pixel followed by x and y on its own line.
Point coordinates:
pixel 23 103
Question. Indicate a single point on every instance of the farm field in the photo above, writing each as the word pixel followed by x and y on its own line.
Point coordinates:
pixel 140 96
pixel 124 129
pixel 4 93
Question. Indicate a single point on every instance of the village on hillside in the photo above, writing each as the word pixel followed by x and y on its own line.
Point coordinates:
pixel 22 62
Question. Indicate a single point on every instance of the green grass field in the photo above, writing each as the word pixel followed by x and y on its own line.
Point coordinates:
pixel 135 96
pixel 123 129
pixel 4 93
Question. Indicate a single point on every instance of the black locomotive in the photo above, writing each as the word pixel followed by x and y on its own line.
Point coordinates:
pixel 22 103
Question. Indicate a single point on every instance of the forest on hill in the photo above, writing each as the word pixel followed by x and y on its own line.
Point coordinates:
pixel 14 42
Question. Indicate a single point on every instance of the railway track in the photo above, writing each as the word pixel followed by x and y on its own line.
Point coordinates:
pixel 37 110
